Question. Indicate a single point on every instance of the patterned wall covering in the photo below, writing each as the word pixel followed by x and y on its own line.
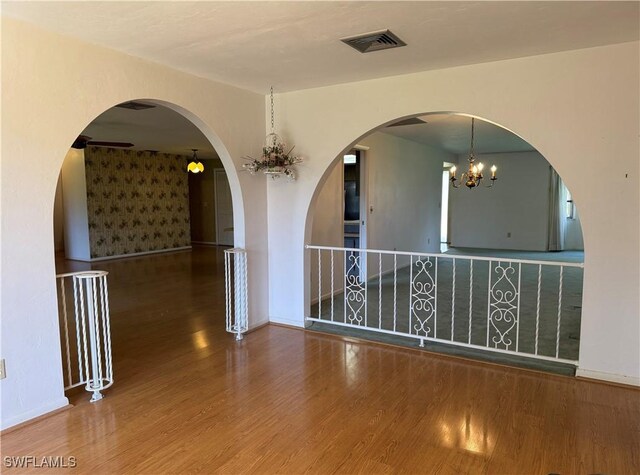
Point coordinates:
pixel 137 201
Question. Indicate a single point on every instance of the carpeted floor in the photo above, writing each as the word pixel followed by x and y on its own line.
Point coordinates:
pixel 453 319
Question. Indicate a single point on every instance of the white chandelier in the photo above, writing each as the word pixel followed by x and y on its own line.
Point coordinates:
pixel 275 160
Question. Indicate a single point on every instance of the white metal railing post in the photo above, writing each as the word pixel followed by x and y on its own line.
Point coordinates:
pixel 92 331
pixel 236 292
pixel 504 304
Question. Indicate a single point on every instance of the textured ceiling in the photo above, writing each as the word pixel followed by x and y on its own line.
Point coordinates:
pixel 158 129
pixel 295 45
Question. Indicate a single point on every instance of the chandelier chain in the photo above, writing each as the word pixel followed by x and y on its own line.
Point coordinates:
pixel 471 155
pixel 272 120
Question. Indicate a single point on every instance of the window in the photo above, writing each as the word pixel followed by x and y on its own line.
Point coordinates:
pixel 570 209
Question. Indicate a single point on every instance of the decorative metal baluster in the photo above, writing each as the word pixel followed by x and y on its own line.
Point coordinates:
pixel 410 291
pixel 538 306
pixel 504 300
pixel 423 293
pixel 355 292
pixel 435 300
pixel 559 312
pixel 345 285
pixel 77 320
pixel 395 288
pixel 332 272
pixel 518 315
pixel 379 290
pixel 107 326
pixel 364 266
pixel 489 301
pixel 66 330
pixel 453 298
pixel 84 332
pixel 470 298
pixel 319 283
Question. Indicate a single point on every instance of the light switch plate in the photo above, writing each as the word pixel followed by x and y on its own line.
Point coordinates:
pixel 3 371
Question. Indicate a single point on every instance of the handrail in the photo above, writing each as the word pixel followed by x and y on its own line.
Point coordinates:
pixel 448 256
pixel 92 273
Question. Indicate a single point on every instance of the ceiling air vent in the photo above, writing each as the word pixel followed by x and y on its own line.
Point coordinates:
pixel 376 41
pixel 136 106
pixel 412 121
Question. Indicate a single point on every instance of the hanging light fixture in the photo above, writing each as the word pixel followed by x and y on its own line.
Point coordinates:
pixel 473 176
pixel 275 159
pixel 195 166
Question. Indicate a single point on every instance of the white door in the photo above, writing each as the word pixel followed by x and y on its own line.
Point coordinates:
pixel 224 209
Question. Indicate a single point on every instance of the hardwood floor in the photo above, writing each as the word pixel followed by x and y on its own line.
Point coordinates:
pixel 187 398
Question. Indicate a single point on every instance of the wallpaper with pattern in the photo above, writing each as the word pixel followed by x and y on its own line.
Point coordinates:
pixel 137 201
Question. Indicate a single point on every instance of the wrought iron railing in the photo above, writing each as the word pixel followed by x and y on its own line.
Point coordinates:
pixel 85 330
pixel 235 271
pixel 529 308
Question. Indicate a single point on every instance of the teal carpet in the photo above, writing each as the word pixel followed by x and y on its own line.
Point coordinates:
pixel 453 318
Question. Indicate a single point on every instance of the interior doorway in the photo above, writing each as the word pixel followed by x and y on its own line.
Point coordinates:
pixel 355 208
pixel 130 207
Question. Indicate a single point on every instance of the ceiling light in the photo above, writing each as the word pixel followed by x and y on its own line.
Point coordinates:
pixel 195 166
pixel 473 176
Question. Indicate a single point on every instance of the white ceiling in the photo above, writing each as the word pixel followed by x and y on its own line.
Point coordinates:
pixel 295 45
pixel 452 133
pixel 158 129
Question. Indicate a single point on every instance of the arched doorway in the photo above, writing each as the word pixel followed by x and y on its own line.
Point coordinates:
pixel 132 209
pixel 501 287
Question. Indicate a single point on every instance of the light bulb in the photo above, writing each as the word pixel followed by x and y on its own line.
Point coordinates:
pixel 480 166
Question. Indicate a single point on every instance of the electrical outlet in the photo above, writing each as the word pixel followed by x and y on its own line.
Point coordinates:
pixel 3 371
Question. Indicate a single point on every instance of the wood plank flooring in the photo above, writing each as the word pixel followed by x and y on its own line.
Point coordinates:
pixel 187 398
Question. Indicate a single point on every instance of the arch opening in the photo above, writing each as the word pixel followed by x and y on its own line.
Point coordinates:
pixel 126 203
pixel 510 264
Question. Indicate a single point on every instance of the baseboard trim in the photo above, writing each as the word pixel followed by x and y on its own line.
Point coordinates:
pixel 602 376
pixel 205 243
pixel 257 325
pixel 287 322
pixel 135 254
pixel 19 421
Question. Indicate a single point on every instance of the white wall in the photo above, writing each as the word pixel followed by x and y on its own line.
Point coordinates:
pixel 517 205
pixel 404 186
pixel 576 108
pixel 405 189
pixel 328 230
pixel 52 87
pixel 76 219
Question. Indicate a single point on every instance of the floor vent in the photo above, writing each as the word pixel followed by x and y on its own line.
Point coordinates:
pixel 136 106
pixel 376 41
